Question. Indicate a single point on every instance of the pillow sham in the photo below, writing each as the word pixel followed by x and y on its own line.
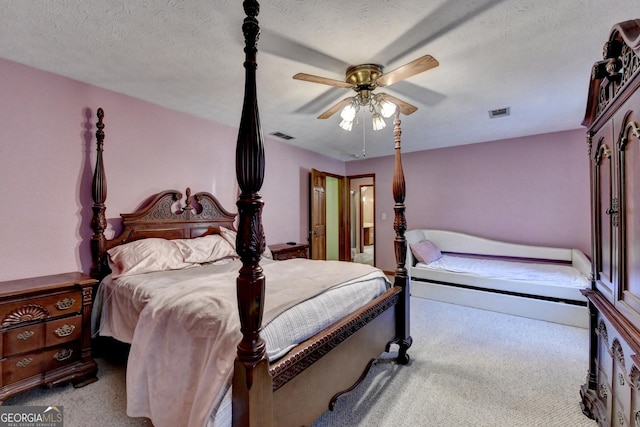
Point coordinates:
pixel 204 249
pixel 230 236
pixel 145 256
pixel 425 251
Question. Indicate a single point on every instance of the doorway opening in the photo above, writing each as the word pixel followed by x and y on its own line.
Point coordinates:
pixel 342 217
pixel 362 213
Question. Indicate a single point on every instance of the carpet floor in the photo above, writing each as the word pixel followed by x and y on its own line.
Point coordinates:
pixel 468 367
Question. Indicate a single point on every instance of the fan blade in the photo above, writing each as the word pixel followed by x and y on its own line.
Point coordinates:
pixel 414 67
pixel 322 80
pixel 442 20
pixel 412 91
pixel 275 44
pixel 339 106
pixel 405 107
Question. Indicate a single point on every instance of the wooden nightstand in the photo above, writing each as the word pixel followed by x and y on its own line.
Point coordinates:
pixel 282 251
pixel 45 325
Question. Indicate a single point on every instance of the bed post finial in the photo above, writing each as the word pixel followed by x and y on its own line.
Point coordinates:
pixel 99 194
pixel 404 340
pixel 252 385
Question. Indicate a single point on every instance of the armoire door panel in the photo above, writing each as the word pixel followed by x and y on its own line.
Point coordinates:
pixel 606 219
pixel 627 132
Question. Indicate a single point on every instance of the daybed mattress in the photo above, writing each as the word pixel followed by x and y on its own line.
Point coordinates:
pixel 552 280
pixel 179 366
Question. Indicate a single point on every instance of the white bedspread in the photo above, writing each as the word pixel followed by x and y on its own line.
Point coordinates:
pixel 527 272
pixel 183 327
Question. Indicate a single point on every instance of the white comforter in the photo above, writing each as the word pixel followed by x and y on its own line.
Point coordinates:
pixel 183 327
pixel 527 272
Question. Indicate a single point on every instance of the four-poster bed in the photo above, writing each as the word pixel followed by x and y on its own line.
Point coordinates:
pixel 291 389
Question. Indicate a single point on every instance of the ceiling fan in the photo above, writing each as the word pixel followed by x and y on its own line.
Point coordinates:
pixel 364 79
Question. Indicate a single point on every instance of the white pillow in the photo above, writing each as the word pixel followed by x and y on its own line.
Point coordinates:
pixel 205 249
pixel 145 256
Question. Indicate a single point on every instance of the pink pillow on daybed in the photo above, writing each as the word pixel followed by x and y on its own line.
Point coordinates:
pixel 425 251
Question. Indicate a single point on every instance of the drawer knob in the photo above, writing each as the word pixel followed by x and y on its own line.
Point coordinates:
pixel 24 362
pixel 63 354
pixel 65 304
pixel 25 335
pixel 65 331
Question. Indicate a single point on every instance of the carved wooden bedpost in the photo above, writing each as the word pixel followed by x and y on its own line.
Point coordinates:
pixel 252 383
pixel 404 340
pixel 99 194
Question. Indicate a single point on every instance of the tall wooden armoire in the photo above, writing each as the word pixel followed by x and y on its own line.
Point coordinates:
pixel 612 392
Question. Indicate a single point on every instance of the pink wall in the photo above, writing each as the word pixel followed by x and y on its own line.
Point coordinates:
pixel 532 190
pixel 47 151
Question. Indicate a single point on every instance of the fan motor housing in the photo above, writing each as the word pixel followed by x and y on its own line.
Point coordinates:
pixel 364 76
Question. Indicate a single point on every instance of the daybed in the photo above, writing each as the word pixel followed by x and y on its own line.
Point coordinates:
pixel 199 319
pixel 525 280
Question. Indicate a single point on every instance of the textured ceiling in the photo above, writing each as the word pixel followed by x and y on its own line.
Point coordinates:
pixel 533 56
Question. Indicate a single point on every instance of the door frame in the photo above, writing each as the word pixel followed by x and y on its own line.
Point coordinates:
pixel 344 242
pixel 344 208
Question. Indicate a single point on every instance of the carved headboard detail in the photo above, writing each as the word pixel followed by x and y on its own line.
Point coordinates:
pixel 165 207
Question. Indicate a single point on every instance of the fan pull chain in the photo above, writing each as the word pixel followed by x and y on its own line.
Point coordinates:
pixel 364 137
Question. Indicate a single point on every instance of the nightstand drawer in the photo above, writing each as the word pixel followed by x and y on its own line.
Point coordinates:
pixel 45 307
pixel 22 340
pixel 63 330
pixel 32 337
pixel 17 368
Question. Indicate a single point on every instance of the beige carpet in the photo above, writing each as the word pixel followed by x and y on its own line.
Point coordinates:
pixel 469 368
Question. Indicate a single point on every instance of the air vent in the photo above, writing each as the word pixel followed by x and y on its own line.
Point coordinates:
pixel 282 135
pixel 500 112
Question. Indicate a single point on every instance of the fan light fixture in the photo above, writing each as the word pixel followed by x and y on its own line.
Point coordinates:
pixel 378 107
pixel 364 79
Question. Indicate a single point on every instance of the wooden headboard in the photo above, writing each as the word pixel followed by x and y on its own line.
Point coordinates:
pixel 164 215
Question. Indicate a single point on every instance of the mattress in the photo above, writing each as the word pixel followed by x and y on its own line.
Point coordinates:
pixel 553 280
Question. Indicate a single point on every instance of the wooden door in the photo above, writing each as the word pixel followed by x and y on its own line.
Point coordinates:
pixel 605 212
pixel 344 226
pixel 318 209
pixel 627 131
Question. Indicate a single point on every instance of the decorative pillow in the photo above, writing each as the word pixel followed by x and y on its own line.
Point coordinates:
pixel 145 256
pixel 204 249
pixel 425 251
pixel 230 236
